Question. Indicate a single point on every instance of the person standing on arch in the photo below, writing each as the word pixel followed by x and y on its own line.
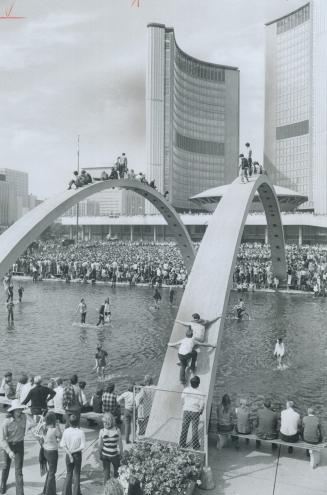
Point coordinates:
pixel 122 165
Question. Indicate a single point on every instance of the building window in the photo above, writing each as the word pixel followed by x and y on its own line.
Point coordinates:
pixel 292 130
pixel 199 146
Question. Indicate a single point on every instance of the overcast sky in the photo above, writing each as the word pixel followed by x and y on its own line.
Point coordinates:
pixel 78 67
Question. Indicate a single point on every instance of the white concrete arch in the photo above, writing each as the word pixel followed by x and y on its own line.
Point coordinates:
pixel 207 293
pixel 19 236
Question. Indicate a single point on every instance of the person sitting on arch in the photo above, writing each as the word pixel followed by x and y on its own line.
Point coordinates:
pixel 198 325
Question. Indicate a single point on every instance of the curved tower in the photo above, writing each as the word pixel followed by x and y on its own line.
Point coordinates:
pixel 192 120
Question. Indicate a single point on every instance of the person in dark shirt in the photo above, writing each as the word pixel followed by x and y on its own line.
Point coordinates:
pixel 266 423
pixel 39 396
pixel 311 429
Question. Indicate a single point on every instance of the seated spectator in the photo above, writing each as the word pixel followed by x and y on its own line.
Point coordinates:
pixel 266 423
pixel 104 175
pixel 225 420
pixel 74 180
pixel 113 173
pixel 152 184
pixel 290 423
pixel 85 178
pixel 131 174
pixel 311 428
pixel 243 422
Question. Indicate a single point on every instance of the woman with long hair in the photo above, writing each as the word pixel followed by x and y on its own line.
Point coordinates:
pixel 225 422
pixel 50 440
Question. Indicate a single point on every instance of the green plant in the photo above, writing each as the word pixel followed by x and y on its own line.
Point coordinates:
pixel 162 469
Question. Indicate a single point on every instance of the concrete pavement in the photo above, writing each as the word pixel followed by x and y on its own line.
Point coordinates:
pixel 243 472
pixel 261 472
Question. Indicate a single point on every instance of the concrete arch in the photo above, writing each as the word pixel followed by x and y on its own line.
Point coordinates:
pixel 19 236
pixel 207 293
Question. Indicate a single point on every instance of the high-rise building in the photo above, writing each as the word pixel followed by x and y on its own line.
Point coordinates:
pixel 296 102
pixel 18 193
pixel 192 120
pixel 86 208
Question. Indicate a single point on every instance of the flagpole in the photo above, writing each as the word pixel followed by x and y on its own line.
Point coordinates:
pixel 77 206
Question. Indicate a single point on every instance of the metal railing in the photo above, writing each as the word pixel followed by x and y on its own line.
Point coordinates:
pixel 185 426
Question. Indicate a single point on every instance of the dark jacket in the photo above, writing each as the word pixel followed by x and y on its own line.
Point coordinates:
pixel 39 396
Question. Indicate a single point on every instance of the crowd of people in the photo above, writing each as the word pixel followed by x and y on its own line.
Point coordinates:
pixel 266 423
pixel 120 261
pixel 161 262
pixel 53 412
pixel 118 171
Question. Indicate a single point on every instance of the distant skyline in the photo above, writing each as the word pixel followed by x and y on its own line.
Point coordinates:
pixel 70 68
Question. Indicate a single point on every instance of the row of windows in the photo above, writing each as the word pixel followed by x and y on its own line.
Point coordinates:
pixel 292 130
pixel 195 69
pixel 199 146
pixel 293 20
pixel 212 97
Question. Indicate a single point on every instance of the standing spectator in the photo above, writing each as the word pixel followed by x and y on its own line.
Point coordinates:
pixel 109 402
pixel 101 361
pixel 243 167
pixel 39 397
pixel 157 298
pixel 12 442
pixel 72 400
pixel 7 386
pixel 10 309
pixel 109 443
pixel 290 424
pixel 249 157
pixel 51 436
pixel 58 400
pixel 143 403
pixel 23 387
pixel 122 165
pixel 82 308
pixel 128 398
pixel 193 406
pixel 20 293
pixel 73 442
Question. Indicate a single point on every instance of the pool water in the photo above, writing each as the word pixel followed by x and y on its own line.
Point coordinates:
pixel 44 340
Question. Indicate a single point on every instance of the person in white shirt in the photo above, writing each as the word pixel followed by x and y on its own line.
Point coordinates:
pixel 198 325
pixel 186 352
pixel 279 352
pixel 73 442
pixel 58 400
pixel 290 424
pixel 193 406
pixel 128 398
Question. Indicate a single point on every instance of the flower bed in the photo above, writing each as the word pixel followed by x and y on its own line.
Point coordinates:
pixel 161 468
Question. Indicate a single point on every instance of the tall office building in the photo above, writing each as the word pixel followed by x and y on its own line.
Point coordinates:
pixel 296 102
pixel 18 193
pixel 192 120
